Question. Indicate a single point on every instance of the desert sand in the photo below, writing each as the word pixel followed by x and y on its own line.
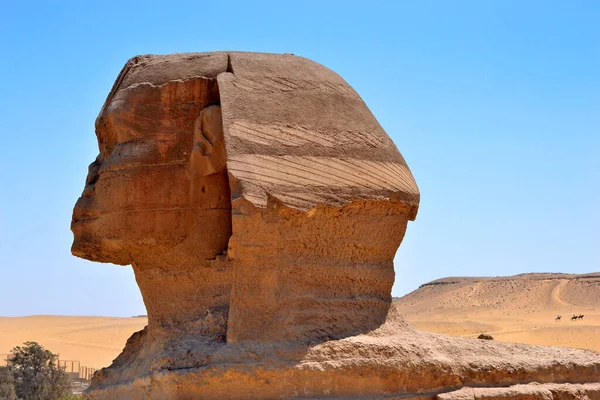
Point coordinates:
pixel 94 341
pixel 518 309
pixel 513 309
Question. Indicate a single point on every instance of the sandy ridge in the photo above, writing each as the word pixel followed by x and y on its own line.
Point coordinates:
pixel 518 308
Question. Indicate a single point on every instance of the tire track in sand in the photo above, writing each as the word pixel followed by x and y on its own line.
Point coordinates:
pixel 555 293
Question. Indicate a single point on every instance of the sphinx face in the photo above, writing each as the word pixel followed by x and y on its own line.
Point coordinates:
pixel 159 183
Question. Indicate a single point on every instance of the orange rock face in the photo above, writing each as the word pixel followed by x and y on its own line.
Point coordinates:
pixel 261 204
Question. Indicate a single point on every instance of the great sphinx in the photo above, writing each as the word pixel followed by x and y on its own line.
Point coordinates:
pixel 261 204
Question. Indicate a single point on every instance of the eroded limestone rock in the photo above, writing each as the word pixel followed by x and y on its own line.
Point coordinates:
pixel 261 204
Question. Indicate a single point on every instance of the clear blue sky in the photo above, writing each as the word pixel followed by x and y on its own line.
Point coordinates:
pixel 494 104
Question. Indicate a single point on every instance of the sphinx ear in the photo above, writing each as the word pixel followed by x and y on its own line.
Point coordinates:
pixel 208 150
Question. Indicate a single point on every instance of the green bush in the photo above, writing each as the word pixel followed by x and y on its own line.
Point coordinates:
pixel 7 384
pixel 32 374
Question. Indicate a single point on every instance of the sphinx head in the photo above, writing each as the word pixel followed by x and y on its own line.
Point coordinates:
pixel 273 159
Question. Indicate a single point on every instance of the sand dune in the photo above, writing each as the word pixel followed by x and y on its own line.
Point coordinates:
pixel 94 341
pixel 519 308
pixel 515 309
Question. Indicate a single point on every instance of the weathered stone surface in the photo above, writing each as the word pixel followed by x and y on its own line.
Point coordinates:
pixel 530 391
pixel 260 205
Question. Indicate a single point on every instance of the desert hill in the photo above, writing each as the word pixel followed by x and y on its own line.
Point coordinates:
pixel 519 308
pixel 94 341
